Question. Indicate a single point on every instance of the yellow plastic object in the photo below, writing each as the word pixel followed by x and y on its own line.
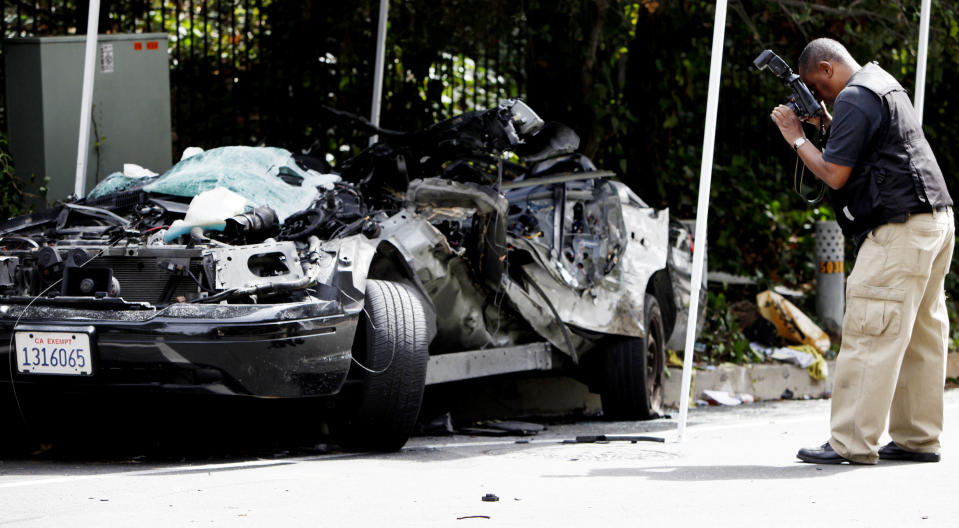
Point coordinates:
pixel 791 323
pixel 674 360
pixel 818 370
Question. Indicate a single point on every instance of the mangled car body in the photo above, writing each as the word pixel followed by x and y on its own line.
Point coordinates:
pixel 482 245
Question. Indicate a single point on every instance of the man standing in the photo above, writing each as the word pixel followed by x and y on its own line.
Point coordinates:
pixel 890 197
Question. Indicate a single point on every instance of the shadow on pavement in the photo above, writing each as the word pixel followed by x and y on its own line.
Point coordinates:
pixel 701 473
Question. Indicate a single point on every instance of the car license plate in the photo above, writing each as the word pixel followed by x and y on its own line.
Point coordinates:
pixel 66 353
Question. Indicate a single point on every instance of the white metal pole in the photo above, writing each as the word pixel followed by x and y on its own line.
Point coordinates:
pixel 378 73
pixel 86 98
pixel 702 210
pixel 923 55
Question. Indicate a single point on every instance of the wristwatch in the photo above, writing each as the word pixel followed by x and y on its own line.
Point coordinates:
pixel 798 143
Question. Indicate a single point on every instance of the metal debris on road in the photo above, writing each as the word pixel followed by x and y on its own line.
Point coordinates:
pixel 592 439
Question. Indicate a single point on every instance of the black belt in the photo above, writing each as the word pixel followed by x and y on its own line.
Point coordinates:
pixel 904 217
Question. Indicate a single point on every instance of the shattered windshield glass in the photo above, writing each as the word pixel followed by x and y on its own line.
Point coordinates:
pixel 265 176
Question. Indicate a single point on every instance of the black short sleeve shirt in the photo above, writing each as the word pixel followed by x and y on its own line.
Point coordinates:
pixel 857 115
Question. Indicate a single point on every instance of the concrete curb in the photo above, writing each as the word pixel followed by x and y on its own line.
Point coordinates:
pixel 763 381
pixel 545 395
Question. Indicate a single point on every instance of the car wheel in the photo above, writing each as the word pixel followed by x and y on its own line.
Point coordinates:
pixel 390 352
pixel 634 369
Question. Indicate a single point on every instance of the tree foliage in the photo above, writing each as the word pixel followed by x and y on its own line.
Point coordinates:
pixel 629 76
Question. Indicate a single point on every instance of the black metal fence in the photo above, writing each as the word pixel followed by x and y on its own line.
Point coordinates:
pixel 261 71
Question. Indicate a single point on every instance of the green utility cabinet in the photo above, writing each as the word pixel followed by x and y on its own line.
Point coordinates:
pixel 131 107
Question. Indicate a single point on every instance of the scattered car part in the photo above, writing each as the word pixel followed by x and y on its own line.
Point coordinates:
pixel 592 439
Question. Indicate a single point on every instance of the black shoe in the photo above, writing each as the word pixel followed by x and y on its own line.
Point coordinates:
pixel 891 451
pixel 823 455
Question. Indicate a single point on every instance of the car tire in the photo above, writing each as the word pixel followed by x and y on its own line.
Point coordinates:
pixel 390 352
pixel 634 370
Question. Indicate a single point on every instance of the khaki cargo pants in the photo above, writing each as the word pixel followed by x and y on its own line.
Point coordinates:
pixel 892 361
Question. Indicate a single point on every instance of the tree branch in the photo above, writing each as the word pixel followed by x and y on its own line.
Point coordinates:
pixel 844 11
pixel 794 19
pixel 597 30
pixel 740 10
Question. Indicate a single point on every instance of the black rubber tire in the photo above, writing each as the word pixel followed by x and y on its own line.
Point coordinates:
pixel 633 371
pixel 393 341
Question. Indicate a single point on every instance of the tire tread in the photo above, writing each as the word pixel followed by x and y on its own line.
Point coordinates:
pixel 397 349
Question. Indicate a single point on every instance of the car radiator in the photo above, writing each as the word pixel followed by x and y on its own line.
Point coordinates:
pixel 143 280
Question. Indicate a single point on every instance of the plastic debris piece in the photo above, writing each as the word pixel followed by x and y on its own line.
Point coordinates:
pixel 514 427
pixel 208 210
pixel 805 356
pixel 787 394
pixel 472 517
pixel 190 152
pixel 721 398
pixel 790 321
pixel 592 439
pixel 674 360
pixel 759 348
pixel 747 398
pixel 489 497
pixel 133 170
pixel 798 357
pixel 482 431
pixel 817 368
pixel 503 428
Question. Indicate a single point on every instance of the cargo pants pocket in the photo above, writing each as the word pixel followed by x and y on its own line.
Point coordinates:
pixel 873 310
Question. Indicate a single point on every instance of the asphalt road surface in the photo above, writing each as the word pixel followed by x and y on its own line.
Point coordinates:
pixel 736 467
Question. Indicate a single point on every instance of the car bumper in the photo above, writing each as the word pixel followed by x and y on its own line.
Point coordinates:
pixel 287 350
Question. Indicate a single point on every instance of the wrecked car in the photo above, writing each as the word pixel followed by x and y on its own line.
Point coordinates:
pixel 482 245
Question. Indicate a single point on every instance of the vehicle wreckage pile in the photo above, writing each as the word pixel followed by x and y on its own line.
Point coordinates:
pixel 253 272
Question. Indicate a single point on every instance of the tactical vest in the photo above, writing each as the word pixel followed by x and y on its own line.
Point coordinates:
pixel 897 173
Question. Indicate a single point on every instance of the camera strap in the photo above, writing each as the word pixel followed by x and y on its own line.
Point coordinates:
pixel 817 195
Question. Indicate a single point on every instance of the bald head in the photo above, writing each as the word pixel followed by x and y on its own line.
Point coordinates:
pixel 826 66
pixel 825 49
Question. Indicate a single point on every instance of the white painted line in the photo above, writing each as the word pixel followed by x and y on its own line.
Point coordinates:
pixel 173 470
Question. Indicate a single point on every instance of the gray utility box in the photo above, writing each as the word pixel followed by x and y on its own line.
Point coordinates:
pixel 131 107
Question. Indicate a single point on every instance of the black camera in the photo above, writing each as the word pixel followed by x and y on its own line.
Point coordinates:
pixel 802 102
